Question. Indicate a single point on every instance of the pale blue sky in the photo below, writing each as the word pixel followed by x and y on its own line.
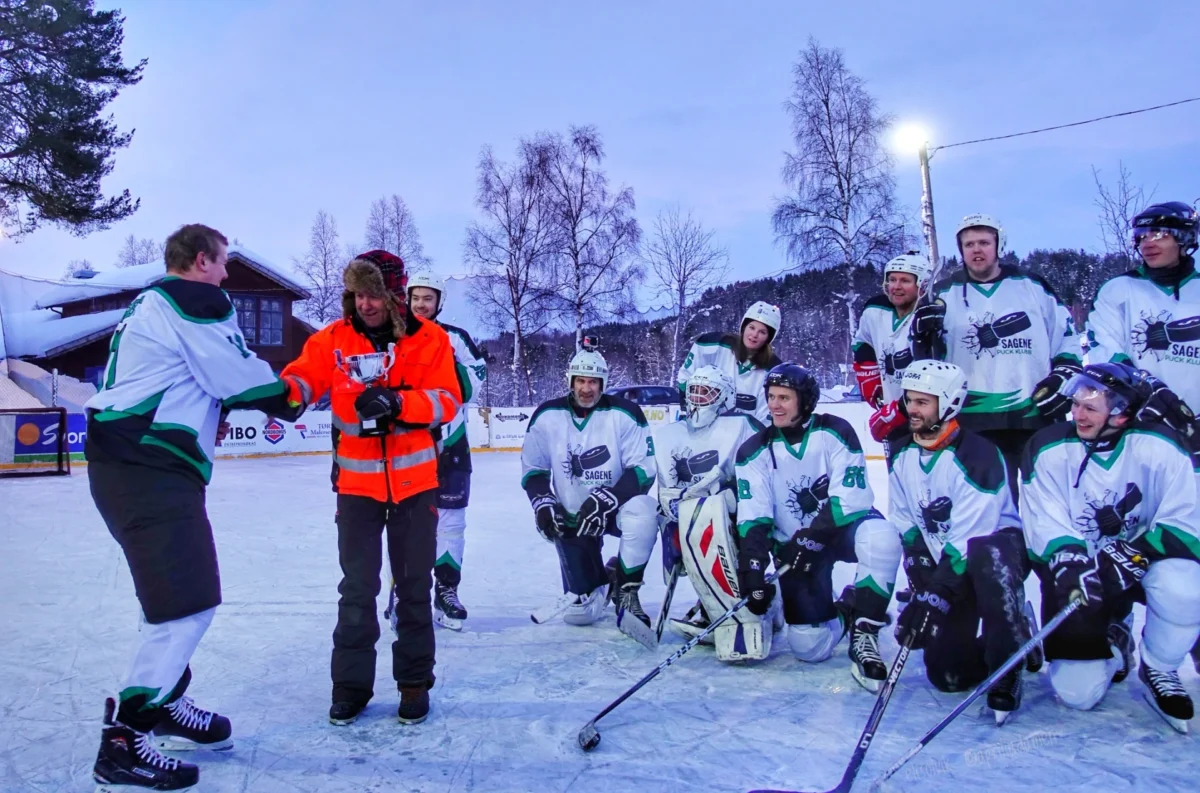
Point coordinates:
pixel 255 113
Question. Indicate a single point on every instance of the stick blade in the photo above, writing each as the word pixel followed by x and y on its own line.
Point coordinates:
pixel 589 737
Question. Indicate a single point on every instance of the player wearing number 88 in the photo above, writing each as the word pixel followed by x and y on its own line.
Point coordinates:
pixel 804 498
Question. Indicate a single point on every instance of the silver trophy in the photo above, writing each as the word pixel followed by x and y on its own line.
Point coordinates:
pixel 369 369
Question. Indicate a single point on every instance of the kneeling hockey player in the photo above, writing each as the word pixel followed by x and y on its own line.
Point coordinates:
pixel 1102 494
pixel 588 465
pixel 802 488
pixel 964 551
pixel 699 453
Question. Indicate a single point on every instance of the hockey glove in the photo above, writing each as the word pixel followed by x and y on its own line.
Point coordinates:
pixel 707 485
pixel 1047 394
pixel 549 517
pixel 1074 571
pixel 1121 568
pixel 801 552
pixel 918 565
pixel 377 408
pixel 924 617
pixel 870 382
pixel 597 512
pixel 886 420
pixel 752 583
pixel 1165 405
pixel 928 321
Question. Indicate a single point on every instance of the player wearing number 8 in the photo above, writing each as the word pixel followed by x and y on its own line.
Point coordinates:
pixel 804 498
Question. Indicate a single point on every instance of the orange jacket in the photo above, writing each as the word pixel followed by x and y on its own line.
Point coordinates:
pixel 403 463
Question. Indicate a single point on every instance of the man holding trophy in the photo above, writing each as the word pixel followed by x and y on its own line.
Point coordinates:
pixel 391 380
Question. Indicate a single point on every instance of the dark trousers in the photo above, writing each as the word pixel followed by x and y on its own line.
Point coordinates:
pixel 1012 445
pixel 992 592
pixel 808 597
pixel 411 528
pixel 1083 636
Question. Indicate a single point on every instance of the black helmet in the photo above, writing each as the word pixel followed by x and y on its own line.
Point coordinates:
pixel 800 380
pixel 1175 217
pixel 1124 386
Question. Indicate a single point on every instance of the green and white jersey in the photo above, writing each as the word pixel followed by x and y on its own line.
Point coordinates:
pixel 472 372
pixel 1156 328
pixel 687 455
pixel 717 349
pixel 950 495
pixel 1005 335
pixel 176 360
pixel 1139 486
pixel 882 338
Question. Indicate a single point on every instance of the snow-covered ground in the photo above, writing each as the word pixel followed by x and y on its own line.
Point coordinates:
pixel 510 695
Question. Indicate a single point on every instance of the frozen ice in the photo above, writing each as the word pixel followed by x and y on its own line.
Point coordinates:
pixel 510 695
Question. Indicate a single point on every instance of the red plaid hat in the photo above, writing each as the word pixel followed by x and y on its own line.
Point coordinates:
pixel 391 267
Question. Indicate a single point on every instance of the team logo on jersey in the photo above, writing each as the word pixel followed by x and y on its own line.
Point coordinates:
pixel 896 362
pixel 807 496
pixel 690 467
pixel 999 336
pixel 935 516
pixel 1167 338
pixel 581 465
pixel 1110 516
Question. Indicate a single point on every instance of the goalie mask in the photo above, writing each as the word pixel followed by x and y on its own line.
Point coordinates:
pixel 709 393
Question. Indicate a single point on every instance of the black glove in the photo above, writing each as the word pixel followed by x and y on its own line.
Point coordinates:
pixel 924 618
pixel 1165 405
pixel 1075 571
pixel 752 583
pixel 918 565
pixel 377 408
pixel 550 517
pixel 1121 568
pixel 802 551
pixel 1047 394
pixel 928 321
pixel 596 512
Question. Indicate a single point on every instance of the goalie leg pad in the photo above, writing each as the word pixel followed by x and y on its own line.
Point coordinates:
pixel 637 520
pixel 710 556
pixel 749 641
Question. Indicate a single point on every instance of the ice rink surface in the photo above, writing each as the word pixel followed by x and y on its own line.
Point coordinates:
pixel 510 695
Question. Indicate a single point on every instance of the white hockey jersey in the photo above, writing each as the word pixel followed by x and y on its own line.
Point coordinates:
pixel 950 495
pixel 176 360
pixel 1140 487
pixel 882 338
pixel 472 372
pixel 570 456
pixel 783 484
pixel 1004 335
pixel 686 455
pixel 717 349
pixel 1151 326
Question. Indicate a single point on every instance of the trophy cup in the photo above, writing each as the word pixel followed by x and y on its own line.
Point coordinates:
pixel 369 369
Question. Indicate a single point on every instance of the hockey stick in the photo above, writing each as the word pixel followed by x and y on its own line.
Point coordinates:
pixel 589 736
pixel 666 606
pixel 868 733
pixel 548 612
pixel 982 688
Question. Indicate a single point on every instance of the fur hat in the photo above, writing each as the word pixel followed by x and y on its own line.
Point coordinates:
pixel 378 274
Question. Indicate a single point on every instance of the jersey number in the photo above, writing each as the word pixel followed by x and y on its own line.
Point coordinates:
pixel 649 447
pixel 744 490
pixel 856 476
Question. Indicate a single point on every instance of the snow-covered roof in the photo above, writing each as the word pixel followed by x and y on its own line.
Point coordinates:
pixel 110 282
pixel 43 333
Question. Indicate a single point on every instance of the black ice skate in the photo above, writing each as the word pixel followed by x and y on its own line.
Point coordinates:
pixel 448 610
pixel 414 704
pixel 1005 696
pixel 632 619
pixel 183 727
pixel 345 712
pixel 128 761
pixel 867 665
pixel 1167 696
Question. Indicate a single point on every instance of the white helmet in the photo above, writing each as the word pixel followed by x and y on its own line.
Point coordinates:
pixel 912 263
pixel 943 380
pixel 429 281
pixel 982 221
pixel 587 363
pixel 765 313
pixel 710 392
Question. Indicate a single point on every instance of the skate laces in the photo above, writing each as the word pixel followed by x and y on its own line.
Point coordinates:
pixel 1165 684
pixel 184 711
pixel 866 646
pixel 449 596
pixel 632 603
pixel 149 754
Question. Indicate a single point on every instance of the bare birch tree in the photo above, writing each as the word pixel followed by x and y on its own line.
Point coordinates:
pixel 1117 206
pixel 321 266
pixel 391 227
pixel 685 262
pixel 134 252
pixel 510 249
pixel 842 208
pixel 597 231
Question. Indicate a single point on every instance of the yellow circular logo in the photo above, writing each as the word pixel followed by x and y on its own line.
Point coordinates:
pixel 28 434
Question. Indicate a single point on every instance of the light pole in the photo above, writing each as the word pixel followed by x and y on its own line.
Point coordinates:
pixel 908 138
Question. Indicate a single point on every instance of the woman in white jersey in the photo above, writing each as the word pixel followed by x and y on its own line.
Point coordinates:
pixel 745 356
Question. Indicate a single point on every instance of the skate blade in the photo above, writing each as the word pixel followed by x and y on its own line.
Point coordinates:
pixel 868 683
pixel 447 622
pixel 174 743
pixel 410 722
pixel 1179 725
pixel 1002 716
pixel 639 631
pixel 344 722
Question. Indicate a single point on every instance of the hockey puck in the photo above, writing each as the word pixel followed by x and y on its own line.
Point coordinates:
pixel 594 458
pixel 1011 324
pixel 1184 330
pixel 589 737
